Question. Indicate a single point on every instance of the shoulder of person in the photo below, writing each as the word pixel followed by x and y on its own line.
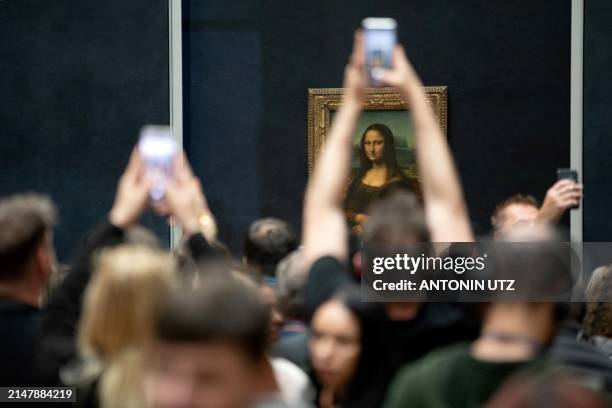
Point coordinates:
pixel 81 372
pixel 604 344
pixel 417 382
pixel 285 368
pixel 432 364
pixel 400 178
pixel 328 263
pixel 294 384
pixel 443 357
pixel 355 177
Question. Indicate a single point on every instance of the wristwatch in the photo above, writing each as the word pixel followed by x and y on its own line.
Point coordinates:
pixel 208 226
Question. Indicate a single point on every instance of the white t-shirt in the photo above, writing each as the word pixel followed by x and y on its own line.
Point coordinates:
pixel 295 387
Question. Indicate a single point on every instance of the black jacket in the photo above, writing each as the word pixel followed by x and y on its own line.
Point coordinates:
pixel 386 344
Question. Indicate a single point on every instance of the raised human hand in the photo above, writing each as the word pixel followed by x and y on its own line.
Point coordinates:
pixel 355 81
pixel 187 203
pixel 563 195
pixel 132 193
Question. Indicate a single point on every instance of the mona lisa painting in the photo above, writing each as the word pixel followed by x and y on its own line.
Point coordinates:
pixel 383 144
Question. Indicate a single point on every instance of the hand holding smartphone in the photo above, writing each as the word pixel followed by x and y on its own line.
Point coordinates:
pixel 379 41
pixel 159 151
pixel 569 174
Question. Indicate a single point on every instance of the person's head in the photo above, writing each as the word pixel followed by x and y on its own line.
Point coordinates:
pixel 335 344
pixel 378 146
pixel 139 235
pixel 191 269
pixel 270 299
pixel 27 255
pixel 533 257
pixel 210 346
pixel 129 283
pixel 598 316
pixel 514 211
pixel 396 219
pixel 291 282
pixel 266 286
pixel 554 389
pixel 267 241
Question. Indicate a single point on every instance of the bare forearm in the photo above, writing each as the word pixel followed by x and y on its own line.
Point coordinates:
pixel 439 179
pixel 324 228
pixel 445 209
pixel 436 165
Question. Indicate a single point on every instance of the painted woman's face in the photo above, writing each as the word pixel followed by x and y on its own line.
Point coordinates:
pixel 374 145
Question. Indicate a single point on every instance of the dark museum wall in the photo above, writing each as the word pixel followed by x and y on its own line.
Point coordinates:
pixel 78 79
pixel 248 65
pixel 597 138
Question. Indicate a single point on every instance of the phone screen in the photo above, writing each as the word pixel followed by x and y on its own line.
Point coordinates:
pixel 379 40
pixel 158 150
pixel 567 174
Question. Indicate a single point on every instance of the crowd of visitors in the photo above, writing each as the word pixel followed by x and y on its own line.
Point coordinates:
pixel 134 325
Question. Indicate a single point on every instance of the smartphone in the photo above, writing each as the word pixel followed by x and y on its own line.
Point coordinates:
pixel 380 38
pixel 158 150
pixel 564 173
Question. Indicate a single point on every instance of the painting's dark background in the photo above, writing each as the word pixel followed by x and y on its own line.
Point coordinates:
pixel 248 65
pixel 77 80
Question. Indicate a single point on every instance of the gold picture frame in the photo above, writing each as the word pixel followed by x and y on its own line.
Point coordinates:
pixel 322 102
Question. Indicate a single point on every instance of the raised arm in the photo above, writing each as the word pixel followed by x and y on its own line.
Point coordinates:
pixel 445 208
pixel 563 195
pixel 59 324
pixel 324 227
pixel 189 208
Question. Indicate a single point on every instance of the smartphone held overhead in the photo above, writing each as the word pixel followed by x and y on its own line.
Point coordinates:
pixel 568 174
pixel 158 150
pixel 380 38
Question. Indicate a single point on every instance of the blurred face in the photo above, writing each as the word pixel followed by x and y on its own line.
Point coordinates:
pixel 200 375
pixel 276 317
pixel 516 215
pixel 335 344
pixel 46 259
pixel 374 145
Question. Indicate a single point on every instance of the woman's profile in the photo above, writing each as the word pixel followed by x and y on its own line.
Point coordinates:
pixel 378 175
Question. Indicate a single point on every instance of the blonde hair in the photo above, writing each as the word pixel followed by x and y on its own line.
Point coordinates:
pixel 120 304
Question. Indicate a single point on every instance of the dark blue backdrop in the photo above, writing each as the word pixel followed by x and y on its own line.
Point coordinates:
pixel 597 135
pixel 248 65
pixel 78 78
